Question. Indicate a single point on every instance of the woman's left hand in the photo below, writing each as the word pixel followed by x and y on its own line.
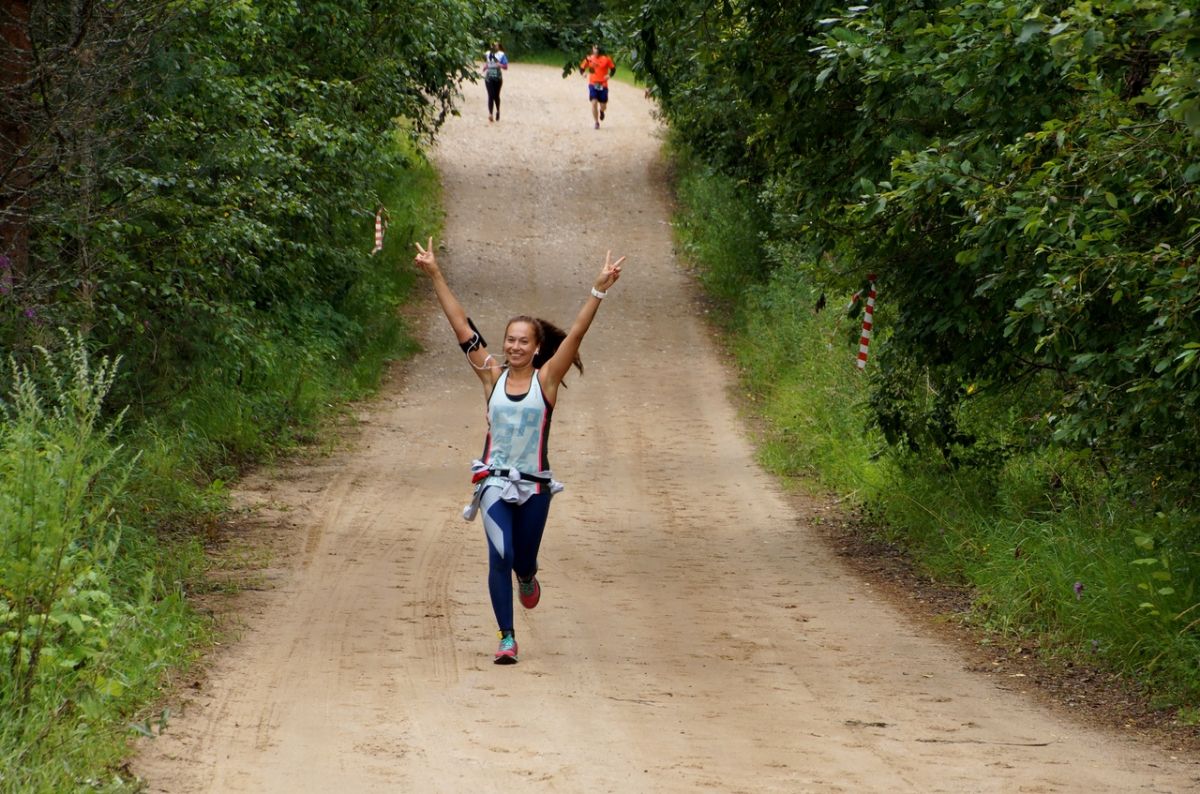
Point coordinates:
pixel 609 273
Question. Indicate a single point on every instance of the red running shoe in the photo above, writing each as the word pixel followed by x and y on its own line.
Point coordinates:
pixel 529 593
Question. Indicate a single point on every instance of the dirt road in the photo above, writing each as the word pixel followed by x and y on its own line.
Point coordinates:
pixel 694 633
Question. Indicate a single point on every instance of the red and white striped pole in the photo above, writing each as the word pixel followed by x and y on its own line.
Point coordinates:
pixel 864 341
pixel 378 232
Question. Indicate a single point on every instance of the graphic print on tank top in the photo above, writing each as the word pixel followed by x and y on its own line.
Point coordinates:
pixel 518 428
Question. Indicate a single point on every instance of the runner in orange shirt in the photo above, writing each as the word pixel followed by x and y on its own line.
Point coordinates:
pixel 598 67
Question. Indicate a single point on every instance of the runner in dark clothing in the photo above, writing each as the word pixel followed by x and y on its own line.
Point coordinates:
pixel 494 66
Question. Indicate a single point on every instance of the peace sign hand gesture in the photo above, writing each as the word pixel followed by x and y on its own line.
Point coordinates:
pixel 609 273
pixel 425 260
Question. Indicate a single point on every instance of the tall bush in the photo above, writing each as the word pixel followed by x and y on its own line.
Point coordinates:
pixel 59 476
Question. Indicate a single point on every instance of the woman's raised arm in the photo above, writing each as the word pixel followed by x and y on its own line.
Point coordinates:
pixel 556 368
pixel 486 367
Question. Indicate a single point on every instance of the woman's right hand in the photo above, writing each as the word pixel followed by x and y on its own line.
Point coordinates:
pixel 425 259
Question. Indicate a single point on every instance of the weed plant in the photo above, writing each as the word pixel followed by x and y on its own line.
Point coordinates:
pixel 77 645
pixel 1058 555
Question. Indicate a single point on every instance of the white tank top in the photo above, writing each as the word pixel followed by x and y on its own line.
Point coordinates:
pixel 518 428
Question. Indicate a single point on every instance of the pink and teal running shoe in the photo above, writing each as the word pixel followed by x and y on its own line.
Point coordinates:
pixel 507 652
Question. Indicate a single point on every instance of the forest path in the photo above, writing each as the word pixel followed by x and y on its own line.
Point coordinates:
pixel 695 632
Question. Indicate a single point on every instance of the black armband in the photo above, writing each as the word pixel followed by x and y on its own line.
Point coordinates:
pixel 475 342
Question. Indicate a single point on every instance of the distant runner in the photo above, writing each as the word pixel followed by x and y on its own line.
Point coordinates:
pixel 598 67
pixel 494 65
pixel 512 476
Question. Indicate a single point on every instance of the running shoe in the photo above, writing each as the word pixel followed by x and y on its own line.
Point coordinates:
pixel 507 652
pixel 529 593
pixel 602 115
pixel 597 125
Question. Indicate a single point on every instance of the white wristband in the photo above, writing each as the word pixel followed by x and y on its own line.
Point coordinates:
pixel 598 294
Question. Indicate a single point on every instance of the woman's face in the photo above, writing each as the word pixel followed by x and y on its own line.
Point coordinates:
pixel 520 343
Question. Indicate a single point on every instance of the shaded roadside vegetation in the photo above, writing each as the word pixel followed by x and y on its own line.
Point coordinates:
pixel 189 191
pixel 1022 178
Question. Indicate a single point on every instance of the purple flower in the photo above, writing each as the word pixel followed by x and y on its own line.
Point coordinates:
pixel 1078 588
pixel 30 313
pixel 5 262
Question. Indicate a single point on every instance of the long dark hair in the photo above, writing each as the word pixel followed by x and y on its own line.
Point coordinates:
pixel 549 336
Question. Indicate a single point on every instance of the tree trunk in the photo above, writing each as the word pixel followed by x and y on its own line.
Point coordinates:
pixel 15 60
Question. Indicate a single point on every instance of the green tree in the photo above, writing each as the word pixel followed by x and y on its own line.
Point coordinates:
pixel 1020 176
pixel 214 194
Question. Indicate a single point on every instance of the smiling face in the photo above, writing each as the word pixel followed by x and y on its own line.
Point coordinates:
pixel 520 342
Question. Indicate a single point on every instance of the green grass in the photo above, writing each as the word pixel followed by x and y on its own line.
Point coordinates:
pixel 1090 576
pixel 1053 551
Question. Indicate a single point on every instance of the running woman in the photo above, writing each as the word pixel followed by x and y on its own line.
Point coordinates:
pixel 494 66
pixel 598 67
pixel 514 483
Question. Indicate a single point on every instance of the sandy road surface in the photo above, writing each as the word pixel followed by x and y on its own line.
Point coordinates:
pixel 694 634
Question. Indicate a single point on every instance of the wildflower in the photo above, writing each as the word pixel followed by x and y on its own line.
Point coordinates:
pixel 30 313
pixel 5 262
pixel 1078 588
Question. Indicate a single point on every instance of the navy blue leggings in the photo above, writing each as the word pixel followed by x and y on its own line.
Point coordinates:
pixel 514 534
pixel 493 92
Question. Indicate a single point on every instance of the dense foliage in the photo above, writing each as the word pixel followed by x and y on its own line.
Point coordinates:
pixel 234 193
pixel 1022 177
pixel 529 26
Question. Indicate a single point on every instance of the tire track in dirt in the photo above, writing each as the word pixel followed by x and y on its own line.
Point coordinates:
pixel 694 632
